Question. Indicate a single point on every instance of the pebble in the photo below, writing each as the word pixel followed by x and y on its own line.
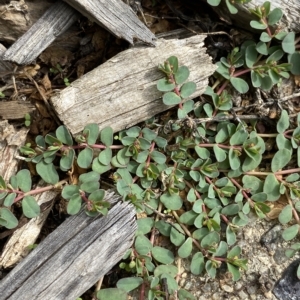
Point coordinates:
pixel 242 295
pixel 227 288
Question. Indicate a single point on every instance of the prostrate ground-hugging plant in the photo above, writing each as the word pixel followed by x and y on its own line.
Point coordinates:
pixel 195 179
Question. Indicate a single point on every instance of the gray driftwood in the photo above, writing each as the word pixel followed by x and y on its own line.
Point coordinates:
pixel 290 19
pixel 4 65
pixel 56 20
pixel 10 141
pixel 122 92
pixel 73 257
pixel 115 16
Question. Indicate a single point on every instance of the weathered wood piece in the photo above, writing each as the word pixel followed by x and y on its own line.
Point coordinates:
pixel 73 257
pixel 18 244
pixel 115 16
pixel 16 17
pixel 10 141
pixel 122 91
pixel 56 20
pixel 290 19
pixel 12 110
pixel 4 65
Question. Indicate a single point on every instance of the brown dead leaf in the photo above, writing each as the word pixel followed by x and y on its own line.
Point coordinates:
pixel 31 70
pixel 46 83
pixel 276 207
pixel 56 55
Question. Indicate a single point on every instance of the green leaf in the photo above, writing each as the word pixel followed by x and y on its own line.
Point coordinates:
pixel 162 255
pixel 239 137
pixel 264 37
pixel 202 152
pixel 142 245
pixel 7 219
pixel 290 232
pixel 67 159
pixel 182 74
pixel 222 249
pixel 30 208
pixel 97 195
pixel 144 225
pixel 74 205
pixel 185 295
pixel 173 60
pixel 63 134
pixel 164 269
pixel 234 159
pixel 163 227
pixel 171 98
pixel 294 59
pixel 173 202
pixel 239 84
pixel 112 293
pixel 232 9
pixel 187 89
pixel 89 186
pixel 210 269
pixel 275 56
pixel 177 235
pixel 164 85
pixel 98 167
pixel 251 55
pixel 158 157
pixel 105 156
pixel 288 43
pixel 223 70
pixel 106 136
pixel 210 239
pixel 275 16
pixel 85 158
pixel 24 180
pixel 286 214
pixel 47 172
pixel 9 200
pixel 186 248
pixel 230 236
pixel 91 131
pixel 188 217
pixel 171 283
pixel 258 25
pixel 281 158
pixel 284 122
pixel 129 284
pixel 197 263
pixel 149 134
pixel 230 210
pixel 236 275
pixel 69 190
pixel 219 153
pixel 271 187
pixel 214 2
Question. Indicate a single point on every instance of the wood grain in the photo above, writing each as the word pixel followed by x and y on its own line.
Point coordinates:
pixel 122 92
pixel 73 257
pixel 115 16
pixel 55 21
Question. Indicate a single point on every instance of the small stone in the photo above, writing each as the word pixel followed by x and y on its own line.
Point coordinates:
pixel 227 288
pixel 238 286
pixel 288 287
pixel 242 295
pixel 217 296
pixel 188 285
